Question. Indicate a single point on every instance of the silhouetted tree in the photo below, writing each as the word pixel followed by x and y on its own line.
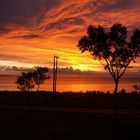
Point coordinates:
pixel 112 48
pixel 28 80
pixel 39 75
pixel 137 87
pixel 25 82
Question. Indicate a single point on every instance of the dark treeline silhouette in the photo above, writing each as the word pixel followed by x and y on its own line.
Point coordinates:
pixel 89 99
pixel 112 48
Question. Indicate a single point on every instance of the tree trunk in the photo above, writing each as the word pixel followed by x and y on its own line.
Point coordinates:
pixel 116 99
pixel 37 87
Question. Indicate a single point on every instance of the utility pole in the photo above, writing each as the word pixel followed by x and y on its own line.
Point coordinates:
pixel 56 72
pixel 54 75
pixel 55 63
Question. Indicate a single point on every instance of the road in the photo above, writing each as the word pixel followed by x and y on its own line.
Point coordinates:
pixel 64 109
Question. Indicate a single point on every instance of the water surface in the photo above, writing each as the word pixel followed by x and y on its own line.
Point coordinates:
pixel 75 83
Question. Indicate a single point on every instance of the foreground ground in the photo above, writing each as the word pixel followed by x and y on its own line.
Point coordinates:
pixel 36 116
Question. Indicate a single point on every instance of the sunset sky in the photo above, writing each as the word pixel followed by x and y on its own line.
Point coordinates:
pixel 32 31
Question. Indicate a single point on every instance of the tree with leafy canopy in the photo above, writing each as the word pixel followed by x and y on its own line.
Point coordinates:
pixel 112 48
pixel 39 75
pixel 25 82
pixel 137 87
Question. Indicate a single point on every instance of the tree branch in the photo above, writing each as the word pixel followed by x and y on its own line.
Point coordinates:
pixel 111 72
pixel 125 68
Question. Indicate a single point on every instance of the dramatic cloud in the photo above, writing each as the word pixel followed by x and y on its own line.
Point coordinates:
pixel 27 36
pixel 32 31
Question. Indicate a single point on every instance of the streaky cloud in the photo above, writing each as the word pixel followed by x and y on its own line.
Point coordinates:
pixel 32 36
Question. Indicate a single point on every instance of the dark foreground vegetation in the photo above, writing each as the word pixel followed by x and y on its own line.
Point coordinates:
pixel 70 99
pixel 23 124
